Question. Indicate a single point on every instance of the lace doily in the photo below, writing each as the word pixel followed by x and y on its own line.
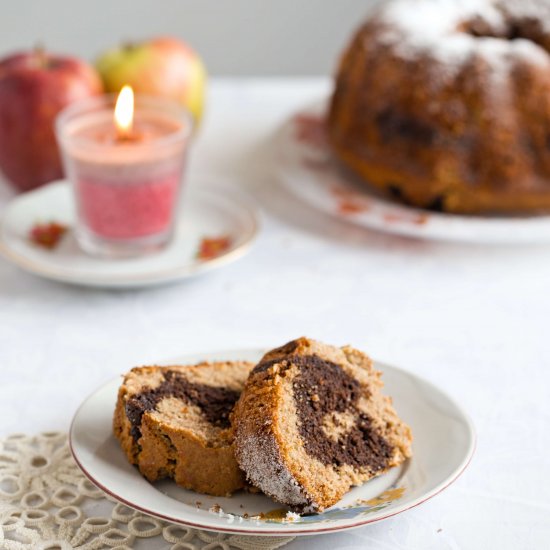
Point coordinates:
pixel 46 503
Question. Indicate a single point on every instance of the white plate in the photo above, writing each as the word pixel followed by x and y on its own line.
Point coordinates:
pixel 209 211
pixel 443 446
pixel 308 169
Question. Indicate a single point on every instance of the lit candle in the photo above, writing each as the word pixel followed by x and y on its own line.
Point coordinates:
pixel 125 162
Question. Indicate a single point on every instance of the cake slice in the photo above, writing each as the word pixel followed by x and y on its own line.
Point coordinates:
pixel 312 422
pixel 174 422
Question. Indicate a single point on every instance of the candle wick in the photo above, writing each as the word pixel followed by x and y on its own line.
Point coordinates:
pixel 128 136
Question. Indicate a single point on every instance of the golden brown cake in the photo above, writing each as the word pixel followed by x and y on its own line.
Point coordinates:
pixel 445 104
pixel 312 422
pixel 174 422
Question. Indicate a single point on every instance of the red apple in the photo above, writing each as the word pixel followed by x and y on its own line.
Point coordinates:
pixel 34 87
pixel 162 66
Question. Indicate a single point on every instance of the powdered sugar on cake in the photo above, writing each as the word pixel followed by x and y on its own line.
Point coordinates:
pixel 261 458
pixel 438 29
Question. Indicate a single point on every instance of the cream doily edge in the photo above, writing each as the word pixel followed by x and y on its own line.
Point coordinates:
pixel 46 503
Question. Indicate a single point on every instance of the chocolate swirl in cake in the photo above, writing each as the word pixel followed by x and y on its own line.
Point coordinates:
pixel 321 389
pixel 214 402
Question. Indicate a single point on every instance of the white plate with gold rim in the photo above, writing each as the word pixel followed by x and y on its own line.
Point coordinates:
pixel 209 211
pixel 444 442
pixel 308 169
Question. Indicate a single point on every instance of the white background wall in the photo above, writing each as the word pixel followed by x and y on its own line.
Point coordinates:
pixel 235 37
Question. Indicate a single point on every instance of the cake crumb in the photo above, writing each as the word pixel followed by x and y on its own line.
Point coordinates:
pixel 215 509
pixel 198 503
pixel 292 516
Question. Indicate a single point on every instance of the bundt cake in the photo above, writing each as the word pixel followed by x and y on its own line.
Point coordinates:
pixel 312 422
pixel 174 422
pixel 445 104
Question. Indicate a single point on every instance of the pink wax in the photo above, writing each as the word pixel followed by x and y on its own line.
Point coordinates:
pixel 126 210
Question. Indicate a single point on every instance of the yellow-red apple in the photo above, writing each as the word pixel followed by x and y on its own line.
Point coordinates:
pixel 162 66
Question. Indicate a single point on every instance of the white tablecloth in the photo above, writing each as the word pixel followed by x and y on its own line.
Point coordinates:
pixel 474 320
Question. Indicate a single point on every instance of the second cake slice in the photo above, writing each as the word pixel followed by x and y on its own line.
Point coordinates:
pixel 312 422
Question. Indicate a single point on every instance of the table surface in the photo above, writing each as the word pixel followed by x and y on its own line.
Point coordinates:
pixel 472 319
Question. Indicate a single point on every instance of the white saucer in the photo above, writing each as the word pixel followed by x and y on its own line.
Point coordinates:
pixel 444 442
pixel 209 211
pixel 309 170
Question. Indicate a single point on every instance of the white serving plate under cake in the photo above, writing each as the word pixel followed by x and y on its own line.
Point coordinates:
pixel 309 170
pixel 443 445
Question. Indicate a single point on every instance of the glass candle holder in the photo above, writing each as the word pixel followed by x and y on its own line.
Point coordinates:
pixel 126 187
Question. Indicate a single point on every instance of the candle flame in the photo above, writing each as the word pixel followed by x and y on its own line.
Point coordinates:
pixel 124 111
